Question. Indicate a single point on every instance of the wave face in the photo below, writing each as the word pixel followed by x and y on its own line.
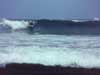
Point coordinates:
pixel 67 27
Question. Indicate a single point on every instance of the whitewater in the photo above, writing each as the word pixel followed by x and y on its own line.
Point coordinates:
pixel 49 50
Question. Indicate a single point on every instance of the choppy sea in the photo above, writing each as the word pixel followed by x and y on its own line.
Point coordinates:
pixel 64 50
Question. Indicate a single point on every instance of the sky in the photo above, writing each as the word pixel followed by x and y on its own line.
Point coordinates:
pixel 49 9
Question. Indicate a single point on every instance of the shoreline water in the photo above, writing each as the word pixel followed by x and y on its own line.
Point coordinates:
pixel 37 69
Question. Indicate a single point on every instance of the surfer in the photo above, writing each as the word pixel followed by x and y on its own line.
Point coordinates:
pixel 31 26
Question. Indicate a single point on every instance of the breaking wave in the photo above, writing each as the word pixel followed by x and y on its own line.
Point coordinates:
pixel 59 27
pixel 12 24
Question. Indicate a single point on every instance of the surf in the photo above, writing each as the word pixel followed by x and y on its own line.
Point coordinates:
pixel 13 24
pixel 53 27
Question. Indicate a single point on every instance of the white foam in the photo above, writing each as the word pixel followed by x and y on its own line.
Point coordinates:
pixel 14 24
pixel 51 56
pixel 73 51
pixel 76 21
pixel 79 20
pixel 96 19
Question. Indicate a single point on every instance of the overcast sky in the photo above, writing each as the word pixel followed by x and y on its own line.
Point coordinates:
pixel 49 9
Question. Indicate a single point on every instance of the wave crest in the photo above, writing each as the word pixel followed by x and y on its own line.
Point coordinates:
pixel 13 24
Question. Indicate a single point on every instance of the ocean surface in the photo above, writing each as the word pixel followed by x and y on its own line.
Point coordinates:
pixel 18 46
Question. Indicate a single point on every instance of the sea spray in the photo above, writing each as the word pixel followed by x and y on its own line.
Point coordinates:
pixel 14 24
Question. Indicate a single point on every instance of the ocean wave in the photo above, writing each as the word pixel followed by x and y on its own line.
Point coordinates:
pixel 13 24
pixel 59 27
